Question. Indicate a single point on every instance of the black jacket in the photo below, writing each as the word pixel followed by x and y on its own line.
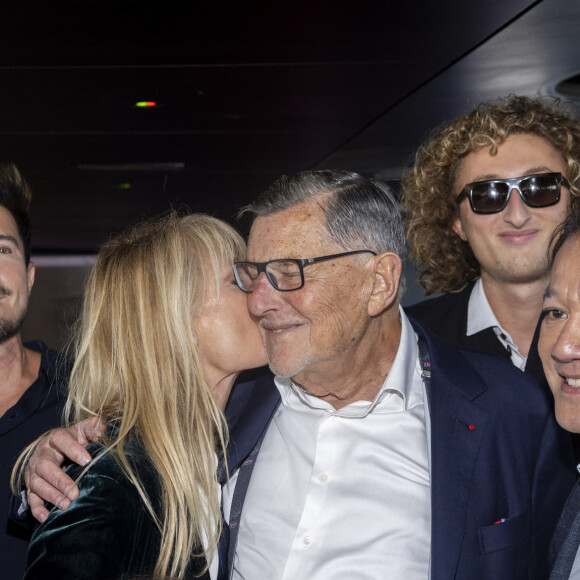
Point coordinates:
pixel 38 410
pixel 446 316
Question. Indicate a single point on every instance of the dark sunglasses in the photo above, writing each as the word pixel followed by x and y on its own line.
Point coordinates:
pixel 491 196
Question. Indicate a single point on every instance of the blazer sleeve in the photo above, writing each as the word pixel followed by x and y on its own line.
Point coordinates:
pixel 95 538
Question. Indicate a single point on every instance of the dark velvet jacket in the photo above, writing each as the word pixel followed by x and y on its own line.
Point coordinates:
pixel 107 533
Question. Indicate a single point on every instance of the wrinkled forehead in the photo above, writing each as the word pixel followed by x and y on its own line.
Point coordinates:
pixel 299 232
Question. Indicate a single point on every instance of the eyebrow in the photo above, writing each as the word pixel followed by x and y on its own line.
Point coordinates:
pixel 6 238
pixel 550 293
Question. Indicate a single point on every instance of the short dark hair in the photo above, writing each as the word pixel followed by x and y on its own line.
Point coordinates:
pixel 569 228
pixel 15 196
pixel 360 212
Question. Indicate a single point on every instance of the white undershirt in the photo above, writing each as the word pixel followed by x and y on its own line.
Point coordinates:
pixel 344 494
pixel 480 316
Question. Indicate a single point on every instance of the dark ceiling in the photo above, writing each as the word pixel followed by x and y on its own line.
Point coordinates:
pixel 245 92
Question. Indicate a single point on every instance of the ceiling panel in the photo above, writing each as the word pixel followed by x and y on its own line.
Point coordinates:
pixel 530 57
pixel 246 92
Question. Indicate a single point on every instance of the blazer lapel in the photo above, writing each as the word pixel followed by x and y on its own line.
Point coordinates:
pixel 456 435
pixel 248 415
pixel 458 428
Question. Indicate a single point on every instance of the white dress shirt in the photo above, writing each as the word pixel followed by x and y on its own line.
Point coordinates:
pixel 342 494
pixel 480 316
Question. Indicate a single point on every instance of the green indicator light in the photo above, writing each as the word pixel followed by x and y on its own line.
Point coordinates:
pixel 145 104
pixel 125 186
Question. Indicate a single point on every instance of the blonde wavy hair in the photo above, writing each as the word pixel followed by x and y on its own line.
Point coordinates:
pixel 137 366
pixel 445 262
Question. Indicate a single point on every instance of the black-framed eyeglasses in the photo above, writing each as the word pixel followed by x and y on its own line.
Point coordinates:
pixel 492 196
pixel 285 275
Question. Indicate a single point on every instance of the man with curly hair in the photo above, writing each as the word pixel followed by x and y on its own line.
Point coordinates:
pixel 481 202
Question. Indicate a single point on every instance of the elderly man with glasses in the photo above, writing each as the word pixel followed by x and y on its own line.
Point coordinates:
pixel 481 202
pixel 377 450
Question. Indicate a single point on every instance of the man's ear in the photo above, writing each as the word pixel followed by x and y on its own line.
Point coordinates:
pixel 388 268
pixel 30 274
pixel 457 227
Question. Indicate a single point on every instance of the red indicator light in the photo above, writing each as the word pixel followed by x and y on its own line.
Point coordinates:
pixel 145 104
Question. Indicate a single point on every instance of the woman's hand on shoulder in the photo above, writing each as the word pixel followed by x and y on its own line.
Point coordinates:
pixel 44 476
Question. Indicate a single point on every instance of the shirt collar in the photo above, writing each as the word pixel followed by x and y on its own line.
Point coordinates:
pixel 479 313
pixel 398 385
pixel 480 316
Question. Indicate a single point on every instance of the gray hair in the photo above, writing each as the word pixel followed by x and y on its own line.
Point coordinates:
pixel 360 213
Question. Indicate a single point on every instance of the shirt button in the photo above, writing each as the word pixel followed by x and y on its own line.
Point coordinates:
pixel 335 418
pixel 323 478
pixel 307 540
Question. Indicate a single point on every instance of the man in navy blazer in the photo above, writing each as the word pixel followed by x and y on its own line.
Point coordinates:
pixel 559 348
pixel 376 450
pixel 496 463
pixel 510 463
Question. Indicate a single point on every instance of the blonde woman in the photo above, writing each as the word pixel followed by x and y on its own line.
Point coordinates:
pixel 163 334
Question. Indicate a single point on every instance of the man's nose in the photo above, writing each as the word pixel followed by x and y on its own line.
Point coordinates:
pixel 264 296
pixel 567 347
pixel 517 213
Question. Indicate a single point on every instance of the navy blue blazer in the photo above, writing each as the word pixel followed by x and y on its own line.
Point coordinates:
pixel 497 454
